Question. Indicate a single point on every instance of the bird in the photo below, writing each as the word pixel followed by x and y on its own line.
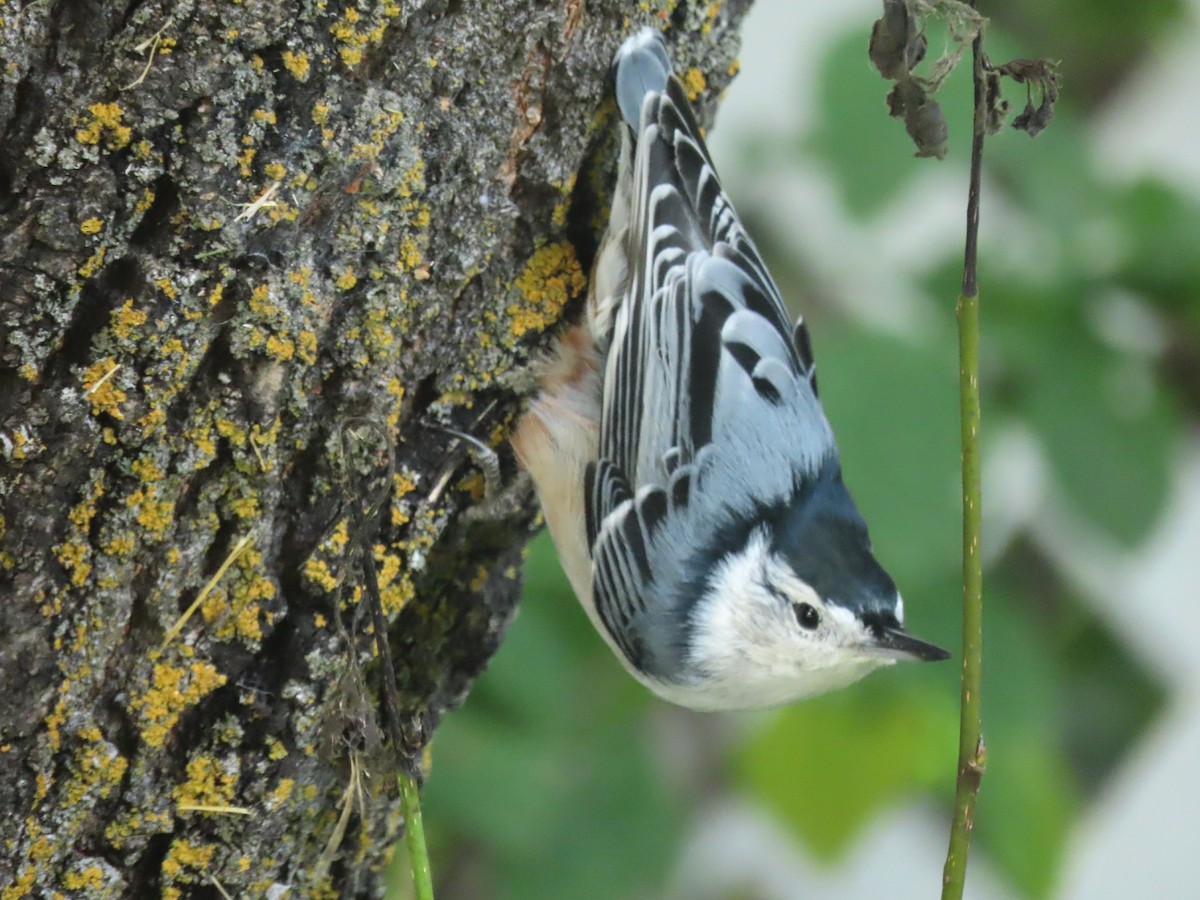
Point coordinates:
pixel 680 454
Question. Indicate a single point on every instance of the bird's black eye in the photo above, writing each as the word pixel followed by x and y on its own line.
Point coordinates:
pixel 807 616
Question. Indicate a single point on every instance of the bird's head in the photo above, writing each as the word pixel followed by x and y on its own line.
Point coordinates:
pixel 802 608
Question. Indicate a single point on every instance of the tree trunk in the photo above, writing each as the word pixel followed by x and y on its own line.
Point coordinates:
pixel 251 253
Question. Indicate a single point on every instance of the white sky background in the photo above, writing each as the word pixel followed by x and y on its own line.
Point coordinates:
pixel 1142 835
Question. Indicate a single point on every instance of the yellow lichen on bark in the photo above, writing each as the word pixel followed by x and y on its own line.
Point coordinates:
pixel 105 123
pixel 102 393
pixel 173 690
pixel 552 277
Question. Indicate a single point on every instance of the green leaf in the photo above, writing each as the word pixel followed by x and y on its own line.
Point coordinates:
pixel 827 766
pixel 1026 806
pixel 1048 645
pixel 1104 420
pixel 1160 228
pixel 1107 432
pixel 894 409
pixel 1056 715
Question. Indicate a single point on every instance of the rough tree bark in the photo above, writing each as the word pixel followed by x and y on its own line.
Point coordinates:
pixel 247 251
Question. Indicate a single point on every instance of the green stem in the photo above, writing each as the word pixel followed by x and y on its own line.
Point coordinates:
pixel 414 836
pixel 972 754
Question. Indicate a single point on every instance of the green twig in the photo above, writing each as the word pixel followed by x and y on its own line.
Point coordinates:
pixel 972 755
pixel 414 836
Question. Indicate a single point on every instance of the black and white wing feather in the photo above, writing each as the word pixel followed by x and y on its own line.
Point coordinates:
pixel 703 366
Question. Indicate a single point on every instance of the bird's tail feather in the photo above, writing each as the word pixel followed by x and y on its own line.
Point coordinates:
pixel 641 66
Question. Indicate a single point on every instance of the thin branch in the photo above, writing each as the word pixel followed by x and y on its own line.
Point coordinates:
pixel 972 755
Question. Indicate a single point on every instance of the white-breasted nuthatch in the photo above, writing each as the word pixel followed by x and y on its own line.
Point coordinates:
pixel 685 467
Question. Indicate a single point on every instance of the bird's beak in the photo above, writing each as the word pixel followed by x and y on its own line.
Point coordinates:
pixel 896 643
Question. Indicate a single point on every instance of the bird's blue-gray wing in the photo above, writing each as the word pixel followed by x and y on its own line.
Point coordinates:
pixel 702 354
pixel 702 322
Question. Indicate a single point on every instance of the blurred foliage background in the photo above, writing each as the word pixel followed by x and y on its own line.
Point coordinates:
pixel 562 778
